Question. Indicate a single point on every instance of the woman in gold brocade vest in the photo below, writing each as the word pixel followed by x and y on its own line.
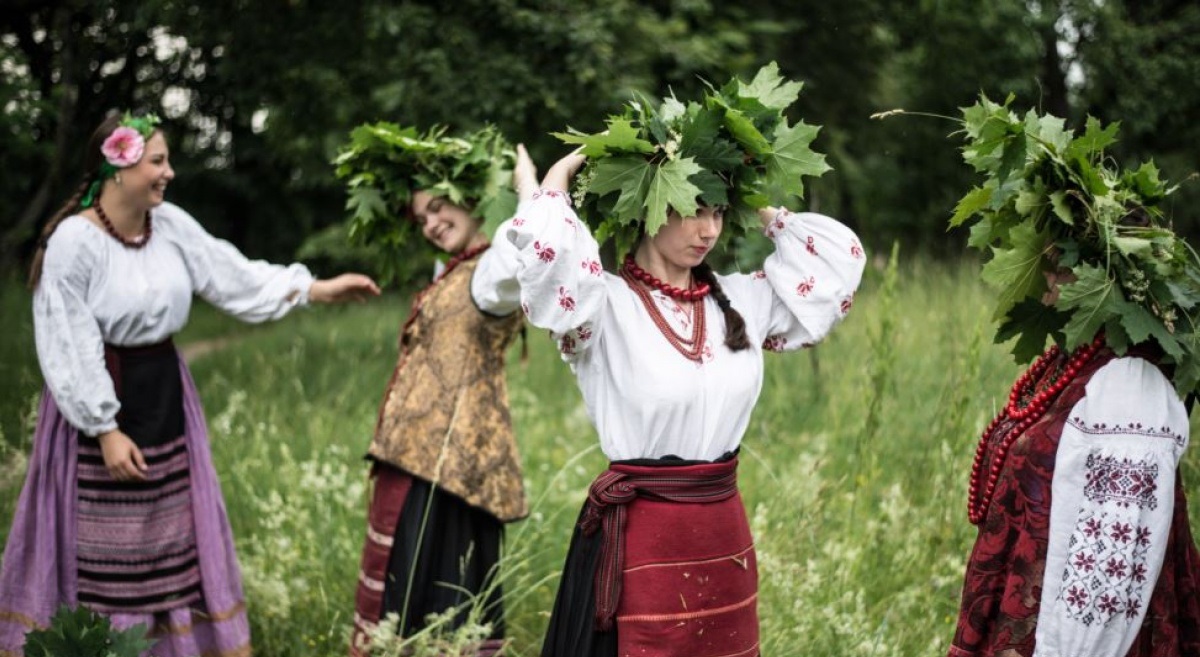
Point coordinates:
pixel 446 471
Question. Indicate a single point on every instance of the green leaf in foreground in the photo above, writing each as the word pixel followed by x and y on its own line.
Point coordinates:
pixel 671 189
pixel 1016 271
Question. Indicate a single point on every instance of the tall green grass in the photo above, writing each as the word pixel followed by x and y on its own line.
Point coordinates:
pixel 853 469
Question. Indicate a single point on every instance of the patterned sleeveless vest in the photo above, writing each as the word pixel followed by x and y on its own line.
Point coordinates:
pixel 444 416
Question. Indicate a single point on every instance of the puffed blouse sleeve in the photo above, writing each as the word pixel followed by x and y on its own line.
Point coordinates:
pixel 546 263
pixel 1112 501
pixel 67 337
pixel 806 286
pixel 251 290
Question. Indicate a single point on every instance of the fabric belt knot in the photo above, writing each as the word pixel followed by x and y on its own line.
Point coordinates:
pixel 617 487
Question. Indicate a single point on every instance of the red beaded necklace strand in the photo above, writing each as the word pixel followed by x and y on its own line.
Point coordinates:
pixel 692 348
pixel 691 294
pixel 1026 405
pixel 135 243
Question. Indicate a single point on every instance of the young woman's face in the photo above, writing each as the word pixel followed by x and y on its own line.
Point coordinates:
pixel 145 183
pixel 685 241
pixel 446 225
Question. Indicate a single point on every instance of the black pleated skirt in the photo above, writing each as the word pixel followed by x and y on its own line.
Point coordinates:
pixel 451 550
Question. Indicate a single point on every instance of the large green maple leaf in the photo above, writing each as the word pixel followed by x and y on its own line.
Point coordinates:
pixel 621 137
pixel 1031 322
pixel 671 188
pixel 1017 270
pixel 1095 138
pixel 629 175
pixel 700 139
pixel 791 160
pixel 366 203
pixel 771 89
pixel 974 201
pixel 1094 298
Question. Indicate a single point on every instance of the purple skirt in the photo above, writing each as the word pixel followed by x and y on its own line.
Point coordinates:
pixel 40 567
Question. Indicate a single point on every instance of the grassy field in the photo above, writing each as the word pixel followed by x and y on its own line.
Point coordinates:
pixel 853 470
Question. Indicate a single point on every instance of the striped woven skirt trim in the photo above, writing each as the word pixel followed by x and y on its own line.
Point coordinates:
pixel 391 489
pixel 137 543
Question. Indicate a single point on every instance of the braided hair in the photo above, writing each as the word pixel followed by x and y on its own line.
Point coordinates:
pixel 735 325
pixel 92 158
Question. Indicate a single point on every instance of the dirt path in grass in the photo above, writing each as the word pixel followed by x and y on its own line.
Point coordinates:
pixel 193 350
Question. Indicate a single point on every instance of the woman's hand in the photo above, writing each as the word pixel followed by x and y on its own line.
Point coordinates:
pixel 767 214
pixel 560 173
pixel 122 457
pixel 524 175
pixel 347 287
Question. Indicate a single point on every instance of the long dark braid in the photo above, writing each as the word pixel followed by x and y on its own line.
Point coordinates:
pixel 735 325
pixel 69 208
pixel 91 167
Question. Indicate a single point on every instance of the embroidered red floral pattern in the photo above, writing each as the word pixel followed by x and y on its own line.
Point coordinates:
pixel 806 287
pixel 544 252
pixel 566 345
pixel 565 300
pixel 1004 575
pixel 1121 480
pixel 775 343
pixel 1105 569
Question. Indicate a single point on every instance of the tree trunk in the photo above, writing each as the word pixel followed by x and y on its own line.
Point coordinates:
pixel 13 239
pixel 1053 76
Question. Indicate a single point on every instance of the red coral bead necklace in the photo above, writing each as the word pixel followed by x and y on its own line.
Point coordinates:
pixel 694 293
pixel 1026 405
pixel 134 243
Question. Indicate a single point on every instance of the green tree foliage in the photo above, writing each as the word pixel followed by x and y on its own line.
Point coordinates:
pixel 259 95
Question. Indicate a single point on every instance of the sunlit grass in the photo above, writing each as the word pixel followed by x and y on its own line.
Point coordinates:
pixel 853 470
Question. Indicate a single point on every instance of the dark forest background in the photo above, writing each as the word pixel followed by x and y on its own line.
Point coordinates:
pixel 258 95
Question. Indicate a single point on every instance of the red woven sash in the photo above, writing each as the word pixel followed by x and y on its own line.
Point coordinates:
pixel 614 489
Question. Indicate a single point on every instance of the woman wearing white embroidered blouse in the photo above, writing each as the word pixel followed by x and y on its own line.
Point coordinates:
pixel 121 440
pixel 667 356
pixel 1084 545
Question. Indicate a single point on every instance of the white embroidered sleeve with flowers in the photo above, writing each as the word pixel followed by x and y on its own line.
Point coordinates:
pixel 805 287
pixel 1112 502
pixel 545 262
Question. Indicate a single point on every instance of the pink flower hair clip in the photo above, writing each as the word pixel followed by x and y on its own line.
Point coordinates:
pixel 122 149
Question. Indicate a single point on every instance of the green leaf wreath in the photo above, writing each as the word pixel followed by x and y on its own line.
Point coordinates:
pixel 1051 198
pixel 734 148
pixel 384 163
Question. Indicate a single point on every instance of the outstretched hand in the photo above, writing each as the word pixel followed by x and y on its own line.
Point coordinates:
pixel 347 287
pixel 524 175
pixel 559 175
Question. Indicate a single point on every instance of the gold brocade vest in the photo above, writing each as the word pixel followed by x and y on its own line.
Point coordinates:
pixel 444 416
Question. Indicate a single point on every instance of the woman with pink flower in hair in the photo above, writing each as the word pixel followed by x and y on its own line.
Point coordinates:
pixel 121 510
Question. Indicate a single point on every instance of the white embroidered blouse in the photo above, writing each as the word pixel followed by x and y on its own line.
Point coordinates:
pixel 645 398
pixel 1113 497
pixel 94 291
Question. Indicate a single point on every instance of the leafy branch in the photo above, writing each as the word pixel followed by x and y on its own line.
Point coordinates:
pixel 1053 200
pixel 734 148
